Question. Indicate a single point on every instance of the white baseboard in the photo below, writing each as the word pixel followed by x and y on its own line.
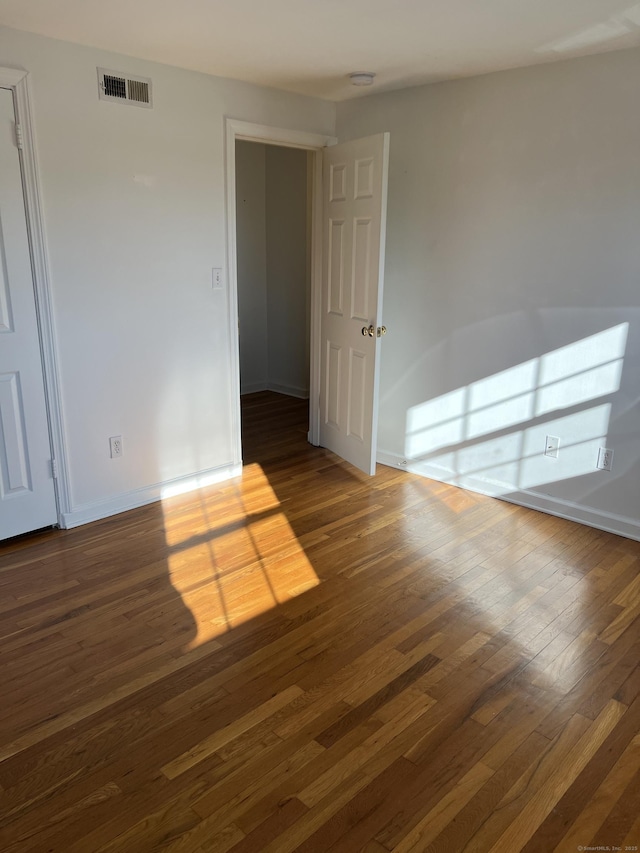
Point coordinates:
pixel 85 513
pixel 601 520
pixel 289 390
pixel 253 387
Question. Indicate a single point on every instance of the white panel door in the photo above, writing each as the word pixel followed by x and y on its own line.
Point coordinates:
pixel 27 495
pixel 354 211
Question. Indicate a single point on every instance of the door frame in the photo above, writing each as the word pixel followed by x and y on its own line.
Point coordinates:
pixel 314 142
pixel 17 80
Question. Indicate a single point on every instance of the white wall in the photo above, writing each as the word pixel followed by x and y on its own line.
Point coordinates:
pixel 134 218
pixel 514 203
pixel 273 268
pixel 251 243
pixel 288 272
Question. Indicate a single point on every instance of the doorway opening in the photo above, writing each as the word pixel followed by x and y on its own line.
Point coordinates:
pixel 274 193
pixel 348 219
pixel 311 145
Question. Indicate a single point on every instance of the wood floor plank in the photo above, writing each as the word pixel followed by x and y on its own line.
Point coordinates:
pixel 437 818
pixel 599 806
pixel 216 741
pixel 527 780
pixel 539 806
pixel 607 760
pixel 463 833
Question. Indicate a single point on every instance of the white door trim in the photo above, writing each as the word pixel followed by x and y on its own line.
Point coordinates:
pixel 234 130
pixel 18 81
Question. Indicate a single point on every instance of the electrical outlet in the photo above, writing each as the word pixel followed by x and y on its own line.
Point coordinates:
pixel 605 459
pixel 216 278
pixel 551 445
pixel 115 446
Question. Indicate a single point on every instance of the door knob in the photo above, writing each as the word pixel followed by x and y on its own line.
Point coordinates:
pixel 371 331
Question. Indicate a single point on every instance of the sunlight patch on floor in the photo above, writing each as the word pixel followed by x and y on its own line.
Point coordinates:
pixel 233 554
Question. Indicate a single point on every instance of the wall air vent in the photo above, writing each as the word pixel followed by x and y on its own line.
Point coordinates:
pixel 114 86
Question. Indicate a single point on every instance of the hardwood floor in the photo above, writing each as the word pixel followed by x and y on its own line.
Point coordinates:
pixel 308 659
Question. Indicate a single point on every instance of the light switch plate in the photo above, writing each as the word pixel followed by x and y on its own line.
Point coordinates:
pixel 551 446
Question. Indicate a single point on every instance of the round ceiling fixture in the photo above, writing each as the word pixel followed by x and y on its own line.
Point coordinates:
pixel 361 78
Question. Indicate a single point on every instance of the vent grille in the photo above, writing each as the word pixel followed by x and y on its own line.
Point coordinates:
pixel 113 86
pixel 138 91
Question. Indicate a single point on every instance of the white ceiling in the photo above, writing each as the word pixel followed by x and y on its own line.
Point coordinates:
pixel 310 46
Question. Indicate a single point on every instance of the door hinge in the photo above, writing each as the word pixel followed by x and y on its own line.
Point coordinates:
pixel 54 469
pixel 19 137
